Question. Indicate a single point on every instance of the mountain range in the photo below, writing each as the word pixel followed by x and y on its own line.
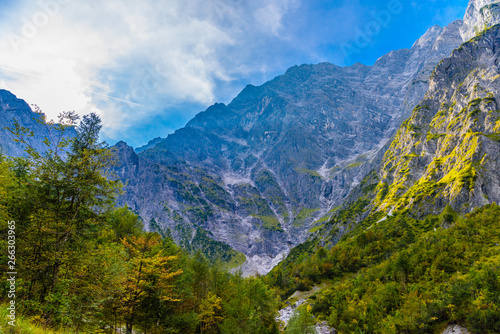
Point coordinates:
pixel 445 155
pixel 250 180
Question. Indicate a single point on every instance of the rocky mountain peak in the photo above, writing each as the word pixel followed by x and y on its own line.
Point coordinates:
pixel 14 110
pixel 480 14
pixel 265 170
pixel 429 37
pixel 447 151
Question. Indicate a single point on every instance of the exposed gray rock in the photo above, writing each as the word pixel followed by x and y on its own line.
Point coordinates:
pixel 13 109
pixel 480 14
pixel 323 328
pixel 259 172
pixel 455 329
pixel 286 313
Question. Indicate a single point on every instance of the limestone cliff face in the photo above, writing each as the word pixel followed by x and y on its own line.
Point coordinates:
pixel 448 151
pixel 263 172
pixel 14 109
pixel 480 14
pixel 258 173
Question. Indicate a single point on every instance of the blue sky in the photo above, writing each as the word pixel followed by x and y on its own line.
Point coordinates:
pixel 147 67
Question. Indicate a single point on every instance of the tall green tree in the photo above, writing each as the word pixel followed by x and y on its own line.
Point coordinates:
pixel 63 194
pixel 149 277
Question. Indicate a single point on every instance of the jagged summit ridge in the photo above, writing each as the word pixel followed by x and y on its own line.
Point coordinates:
pixel 14 109
pixel 258 172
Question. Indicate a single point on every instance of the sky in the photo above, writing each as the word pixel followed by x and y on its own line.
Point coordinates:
pixel 147 67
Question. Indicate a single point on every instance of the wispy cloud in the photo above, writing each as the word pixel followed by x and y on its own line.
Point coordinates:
pixel 270 17
pixel 148 66
pixel 148 55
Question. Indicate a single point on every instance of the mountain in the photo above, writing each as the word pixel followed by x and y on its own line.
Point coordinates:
pixel 13 109
pixel 150 144
pixel 447 152
pixel 264 171
pixel 479 15
pixel 395 223
pixel 443 158
pixel 417 241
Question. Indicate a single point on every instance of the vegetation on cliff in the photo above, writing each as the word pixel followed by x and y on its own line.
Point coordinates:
pixel 84 265
pixel 404 275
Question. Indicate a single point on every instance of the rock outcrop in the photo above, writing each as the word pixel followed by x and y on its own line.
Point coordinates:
pixel 480 15
pixel 448 151
pixel 265 170
pixel 14 110
pixel 455 329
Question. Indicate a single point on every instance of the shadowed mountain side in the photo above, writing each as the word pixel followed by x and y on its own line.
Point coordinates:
pixel 259 172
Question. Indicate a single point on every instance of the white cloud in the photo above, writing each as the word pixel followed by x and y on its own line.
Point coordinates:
pixel 270 16
pixel 71 54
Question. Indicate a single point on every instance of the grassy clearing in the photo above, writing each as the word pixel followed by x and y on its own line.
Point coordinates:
pixel 23 325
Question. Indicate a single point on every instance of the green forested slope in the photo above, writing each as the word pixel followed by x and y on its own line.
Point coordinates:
pixel 84 265
pixel 404 275
pixel 416 246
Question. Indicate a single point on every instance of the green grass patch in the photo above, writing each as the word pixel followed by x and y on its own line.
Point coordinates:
pixel 307 171
pixel 324 219
pixel 236 260
pixel 215 250
pixel 433 136
pixel 316 228
pixel 335 209
pixel 494 136
pixel 354 164
pixel 270 223
pixel 335 169
pixel 302 216
pixel 358 162
pixel 328 215
pixel 23 325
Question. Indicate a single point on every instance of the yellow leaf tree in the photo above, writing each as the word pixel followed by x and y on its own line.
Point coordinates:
pixel 148 274
pixel 210 313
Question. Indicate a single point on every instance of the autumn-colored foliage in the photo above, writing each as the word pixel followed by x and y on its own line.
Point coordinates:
pixel 86 266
